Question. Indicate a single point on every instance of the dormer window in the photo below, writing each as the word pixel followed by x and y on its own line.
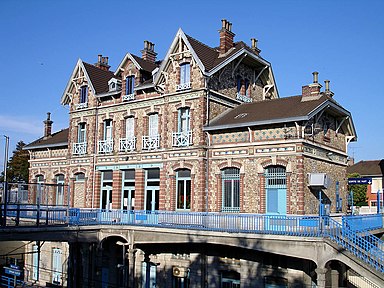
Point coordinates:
pixel 129 88
pixel 185 77
pixel 243 90
pixel 83 101
pixel 114 85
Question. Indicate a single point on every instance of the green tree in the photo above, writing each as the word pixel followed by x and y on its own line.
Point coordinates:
pixel 18 164
pixel 359 191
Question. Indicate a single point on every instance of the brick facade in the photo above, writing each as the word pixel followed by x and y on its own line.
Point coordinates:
pixel 298 148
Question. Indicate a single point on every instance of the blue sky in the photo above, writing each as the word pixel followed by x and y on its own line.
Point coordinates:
pixel 41 41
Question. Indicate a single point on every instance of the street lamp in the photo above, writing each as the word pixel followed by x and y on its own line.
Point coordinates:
pixel 5 192
pixel 123 265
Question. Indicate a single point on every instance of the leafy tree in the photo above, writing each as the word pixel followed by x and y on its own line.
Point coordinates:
pixel 18 164
pixel 359 191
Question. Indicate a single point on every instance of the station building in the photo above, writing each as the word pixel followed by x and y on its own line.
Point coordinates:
pixel 204 129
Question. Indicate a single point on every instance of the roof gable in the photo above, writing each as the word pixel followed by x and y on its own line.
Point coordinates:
pixel 139 63
pixel 180 38
pixel 96 78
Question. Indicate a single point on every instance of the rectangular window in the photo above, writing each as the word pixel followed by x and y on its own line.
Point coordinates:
pixel 153 125
pixel 231 189
pixel 129 85
pixel 57 267
pixel 81 133
pixel 183 120
pixel 83 94
pixel 129 127
pixel 128 190
pixel 185 70
pixel 35 262
pixel 107 129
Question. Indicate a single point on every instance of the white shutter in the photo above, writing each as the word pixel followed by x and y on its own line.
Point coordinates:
pixel 35 263
pixel 129 127
pixel 56 265
pixel 153 125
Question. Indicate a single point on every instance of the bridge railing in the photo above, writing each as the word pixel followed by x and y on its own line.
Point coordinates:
pixel 366 247
pixel 361 223
pixel 34 215
pixel 245 223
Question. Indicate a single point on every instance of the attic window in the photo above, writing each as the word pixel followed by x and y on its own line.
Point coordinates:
pixel 114 85
pixel 241 116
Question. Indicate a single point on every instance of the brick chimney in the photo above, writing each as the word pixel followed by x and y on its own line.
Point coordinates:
pixel 102 63
pixel 148 53
pixel 226 36
pixel 48 126
pixel 312 91
pixel 254 46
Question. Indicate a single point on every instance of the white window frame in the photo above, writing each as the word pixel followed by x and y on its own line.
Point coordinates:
pixel 57 267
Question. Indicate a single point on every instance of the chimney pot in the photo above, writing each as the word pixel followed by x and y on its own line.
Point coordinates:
pixel 148 53
pixel 223 23
pixel 48 126
pixel 315 77
pixel 326 85
pixel 102 63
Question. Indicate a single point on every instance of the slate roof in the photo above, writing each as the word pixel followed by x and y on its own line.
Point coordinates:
pixel 266 112
pixel 368 168
pixel 210 56
pixel 57 139
pixel 146 65
pixel 99 77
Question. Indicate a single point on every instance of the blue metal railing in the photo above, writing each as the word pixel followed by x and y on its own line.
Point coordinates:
pixel 9 282
pixel 361 223
pixel 352 233
pixel 368 247
pixel 245 223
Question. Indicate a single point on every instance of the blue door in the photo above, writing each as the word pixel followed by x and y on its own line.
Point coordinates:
pixel 275 190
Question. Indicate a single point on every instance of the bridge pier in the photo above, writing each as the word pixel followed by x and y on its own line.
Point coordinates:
pixel 131 266
pixel 321 277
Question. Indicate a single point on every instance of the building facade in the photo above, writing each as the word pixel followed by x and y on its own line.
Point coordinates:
pixel 202 130
pixel 373 169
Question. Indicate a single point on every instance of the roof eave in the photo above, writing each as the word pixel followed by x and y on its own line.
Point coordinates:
pixel 256 123
pixel 45 146
pixel 234 56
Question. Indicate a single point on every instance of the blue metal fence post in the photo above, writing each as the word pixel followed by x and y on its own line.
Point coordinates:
pixel 378 202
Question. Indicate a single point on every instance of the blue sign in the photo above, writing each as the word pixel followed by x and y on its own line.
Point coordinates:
pixel 359 181
pixel 13 266
pixel 11 271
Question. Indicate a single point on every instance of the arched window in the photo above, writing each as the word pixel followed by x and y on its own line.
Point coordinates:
pixel 276 190
pixel 183 186
pixel 230 179
pixel 80 177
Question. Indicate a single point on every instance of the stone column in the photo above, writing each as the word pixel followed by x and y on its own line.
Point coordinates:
pixel 131 267
pixel 321 277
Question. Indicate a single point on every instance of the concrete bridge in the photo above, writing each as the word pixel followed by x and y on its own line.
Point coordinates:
pixel 320 248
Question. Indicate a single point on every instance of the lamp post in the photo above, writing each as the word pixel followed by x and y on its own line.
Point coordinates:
pixel 5 192
pixel 123 265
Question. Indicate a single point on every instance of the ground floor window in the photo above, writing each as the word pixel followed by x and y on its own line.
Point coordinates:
pixel 35 262
pixel 152 189
pixel 57 268
pixel 183 196
pixel 128 190
pixel 106 190
pixel 276 190
pixel 230 279
pixel 230 178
